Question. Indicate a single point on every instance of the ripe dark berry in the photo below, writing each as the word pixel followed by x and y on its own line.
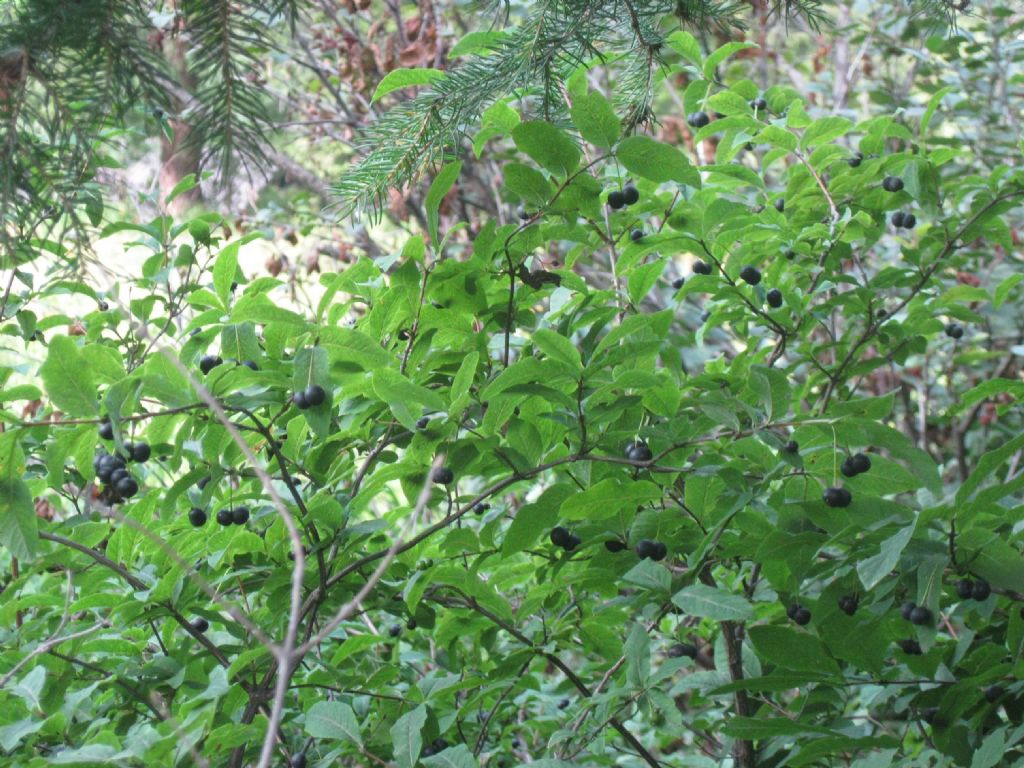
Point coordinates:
pixel 615 545
pixel 892 183
pixel 860 463
pixel 750 275
pixel 117 475
pixel 197 517
pixel 837 497
pixel 993 692
pixel 909 221
pixel 299 760
pixel 791 447
pixel 563 703
pixel 250 365
pixel 410 624
pixel 802 616
pixel 965 589
pixel 857 159
pixel 698 119
pixel 906 609
pixel 573 542
pixel 846 468
pixel 701 268
pixel 560 536
pixel 982 589
pixel 630 194
pixel 126 487
pixel 106 430
pixel 758 103
pixel 774 298
pixel 638 450
pixel 848 604
pixel 480 507
pixel 678 283
pixel 780 204
pixel 954 331
pixel 203 482
pixel 299 400
pixel 648 548
pixel 443 476
pixel 422 423
pixel 224 517
pixel 395 630
pixel 616 199
pixel 315 395
pixel 140 452
pixel 240 515
pixel 103 306
pixel 921 616
pixel 200 625
pixel 910 647
pixel 898 218
pixel 522 213
pixel 682 649
pixel 636 235
pixel 208 363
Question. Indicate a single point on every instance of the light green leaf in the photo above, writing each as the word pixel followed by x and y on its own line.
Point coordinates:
pixel 656 161
pixel 68 378
pixel 720 55
pixel 439 187
pixel 872 570
pixel 548 146
pixel 224 271
pixel 18 526
pixel 686 45
pixel 458 756
pixel 596 120
pixel 406 736
pixel 333 720
pixel 404 78
pixel 711 603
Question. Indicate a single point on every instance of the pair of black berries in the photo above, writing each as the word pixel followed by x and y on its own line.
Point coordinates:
pixel 226 516
pixel 902 220
pixel 646 549
pixel 310 397
pixel 698 119
pixel 564 538
pixel 916 614
pixel 955 331
pixel 854 465
pixel 799 614
pixel 973 590
pixel 620 198
pixel 110 470
pixel 837 496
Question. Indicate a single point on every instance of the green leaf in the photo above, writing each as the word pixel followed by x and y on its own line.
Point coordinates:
pixel 458 756
pixel 333 720
pixel 404 78
pixel 872 570
pixel 824 130
pixel 656 161
pixel 686 45
pixel 766 727
pixel 311 366
pixel 528 183
pixel 609 497
pixel 596 120
pixel 435 195
pixel 720 55
pixel 988 464
pixel 791 649
pixel 18 527
pixel 224 271
pixel 406 736
pixel 649 575
pixel 711 603
pixel 68 378
pixel 534 519
pixel 556 346
pixel 548 146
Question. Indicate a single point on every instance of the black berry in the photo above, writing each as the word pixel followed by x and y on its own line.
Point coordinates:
pixel 837 497
pixel 443 476
pixel 200 625
pixel 106 430
pixel 126 487
pixel 560 536
pixel 758 103
pixel 140 452
pixel 208 363
pixel 648 548
pixel 630 194
pixel 638 450
pixel 982 589
pixel 892 183
pixel 898 218
pixel 315 395
pixel 240 515
pixel 909 221
pixel 906 609
pixel 224 517
pixel 573 542
pixel 993 693
pixel 395 630
pixel 701 268
pixel 780 204
pixel 636 235
pixel 299 400
pixel 857 159
pixel 197 517
pixel 615 545
pixel 791 447
pixel 299 760
pixel 860 463
pixel 802 616
pixel 750 275
pixel 682 649
pixel 678 283
pixel 910 647
pixel 921 616
pixel 616 199
pixel 954 331
pixel 774 298
pixel 848 604
pixel 965 589
pixel 698 119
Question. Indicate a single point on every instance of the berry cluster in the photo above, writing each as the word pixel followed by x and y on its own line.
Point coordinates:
pixel 620 198
pixel 310 397
pixel 854 465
